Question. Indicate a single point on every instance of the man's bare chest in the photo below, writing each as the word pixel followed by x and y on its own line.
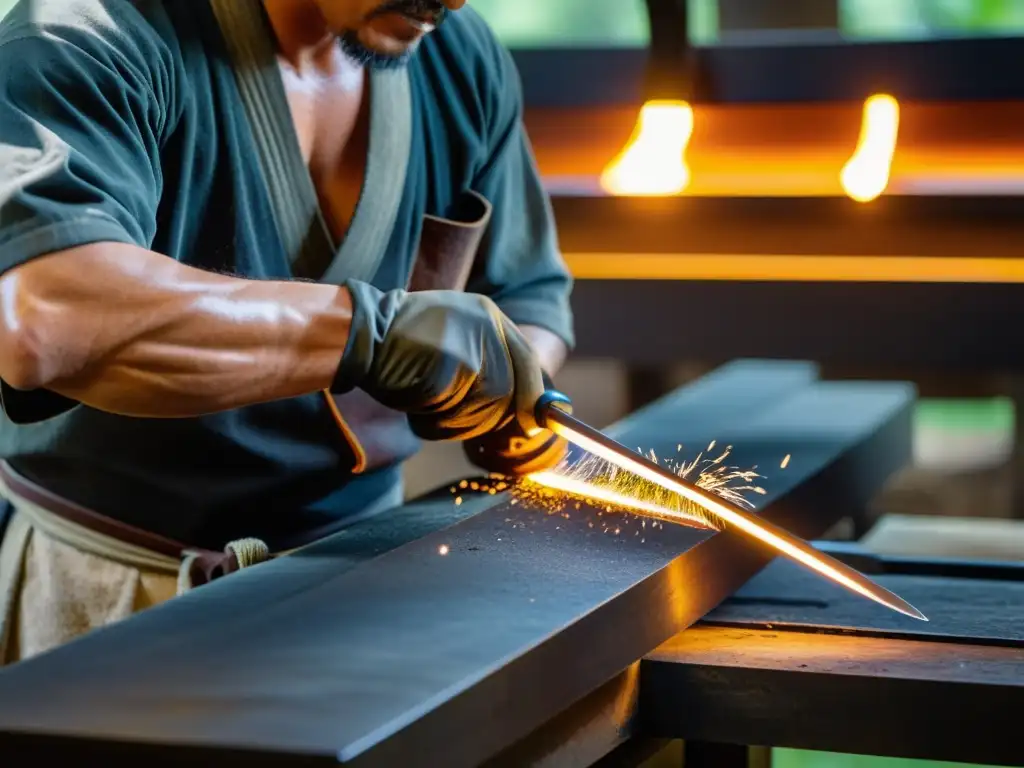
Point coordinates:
pixel 330 114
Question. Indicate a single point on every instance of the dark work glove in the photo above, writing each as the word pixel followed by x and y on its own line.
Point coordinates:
pixel 511 451
pixel 451 361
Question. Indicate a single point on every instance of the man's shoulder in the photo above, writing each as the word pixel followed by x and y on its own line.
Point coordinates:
pixel 469 33
pixel 467 47
pixel 470 73
pixel 104 27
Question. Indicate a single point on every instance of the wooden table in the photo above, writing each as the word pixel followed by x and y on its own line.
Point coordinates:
pixel 791 663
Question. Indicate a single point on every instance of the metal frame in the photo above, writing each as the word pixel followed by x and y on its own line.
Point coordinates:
pixel 849 323
pixel 965 226
pixel 934 70
pixel 969 326
pixel 819 66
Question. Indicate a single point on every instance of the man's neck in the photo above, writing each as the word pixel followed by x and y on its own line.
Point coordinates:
pixel 303 38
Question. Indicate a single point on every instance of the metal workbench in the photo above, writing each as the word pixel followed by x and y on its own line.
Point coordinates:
pixel 439 634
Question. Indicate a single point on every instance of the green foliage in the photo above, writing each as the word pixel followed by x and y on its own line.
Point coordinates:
pixel 916 19
pixel 791 758
pixel 618 23
pixel 550 23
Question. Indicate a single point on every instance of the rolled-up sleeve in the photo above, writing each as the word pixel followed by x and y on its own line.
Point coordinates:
pixel 78 142
pixel 520 264
pixel 79 153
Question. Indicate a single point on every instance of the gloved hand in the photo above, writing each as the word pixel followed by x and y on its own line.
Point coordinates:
pixel 513 452
pixel 450 360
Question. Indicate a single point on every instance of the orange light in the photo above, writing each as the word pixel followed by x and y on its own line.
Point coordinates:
pixel 775 267
pixel 654 160
pixel 866 174
pixel 581 488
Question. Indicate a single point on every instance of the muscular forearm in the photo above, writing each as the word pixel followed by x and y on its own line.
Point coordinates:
pixel 129 331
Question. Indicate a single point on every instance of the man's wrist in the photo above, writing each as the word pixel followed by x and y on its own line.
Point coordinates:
pixel 357 356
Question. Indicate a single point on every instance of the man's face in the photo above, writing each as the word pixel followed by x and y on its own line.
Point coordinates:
pixel 384 33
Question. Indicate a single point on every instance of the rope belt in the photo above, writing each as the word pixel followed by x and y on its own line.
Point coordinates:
pixel 102 536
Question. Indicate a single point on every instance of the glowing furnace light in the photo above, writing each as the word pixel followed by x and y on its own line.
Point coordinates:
pixel 866 175
pixel 654 160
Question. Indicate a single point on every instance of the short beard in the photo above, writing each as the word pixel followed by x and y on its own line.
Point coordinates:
pixel 354 49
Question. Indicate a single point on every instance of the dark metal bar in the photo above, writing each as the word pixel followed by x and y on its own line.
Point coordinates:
pixel 670 67
pixel 843 323
pixel 971 69
pixel 336 655
pixel 833 71
pixel 895 225
pixel 584 77
pixel 822 321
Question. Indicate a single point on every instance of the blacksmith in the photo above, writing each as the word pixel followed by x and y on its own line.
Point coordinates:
pixel 250 253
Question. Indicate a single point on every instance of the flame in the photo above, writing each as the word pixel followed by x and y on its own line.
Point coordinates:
pixel 866 175
pixel 653 161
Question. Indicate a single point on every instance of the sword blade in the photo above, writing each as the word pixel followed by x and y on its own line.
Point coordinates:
pixel 597 443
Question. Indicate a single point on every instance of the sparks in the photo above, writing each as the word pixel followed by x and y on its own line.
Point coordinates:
pixel 605 485
pixel 782 541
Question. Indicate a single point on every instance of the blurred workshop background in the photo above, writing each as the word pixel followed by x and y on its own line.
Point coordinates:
pixel 964 428
pixel 965 424
pixel 961 485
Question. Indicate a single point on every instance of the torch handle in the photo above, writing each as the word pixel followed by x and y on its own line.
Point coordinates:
pixel 551 398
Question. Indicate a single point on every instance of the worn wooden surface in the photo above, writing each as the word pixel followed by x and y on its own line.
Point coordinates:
pixel 850 694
